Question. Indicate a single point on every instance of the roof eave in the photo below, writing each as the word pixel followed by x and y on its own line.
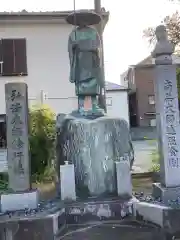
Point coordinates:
pixel 40 17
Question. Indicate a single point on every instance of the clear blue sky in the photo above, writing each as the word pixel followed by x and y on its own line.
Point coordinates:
pixel 123 41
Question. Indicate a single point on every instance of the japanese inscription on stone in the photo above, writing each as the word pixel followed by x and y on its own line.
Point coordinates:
pixel 170 124
pixel 167 109
pixel 17 123
pixel 17 135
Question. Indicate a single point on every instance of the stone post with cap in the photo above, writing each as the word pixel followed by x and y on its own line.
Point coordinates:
pixel 165 211
pixel 20 195
pixel 167 116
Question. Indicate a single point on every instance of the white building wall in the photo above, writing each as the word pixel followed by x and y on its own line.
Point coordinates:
pixel 47 60
pixel 117 104
pixel 48 68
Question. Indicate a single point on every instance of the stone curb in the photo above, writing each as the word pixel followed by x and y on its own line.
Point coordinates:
pixel 163 216
pixel 142 175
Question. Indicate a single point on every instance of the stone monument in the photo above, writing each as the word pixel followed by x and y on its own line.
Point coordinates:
pixel 163 206
pixel 87 138
pixel 168 122
pixel 22 215
pixel 17 136
pixel 21 196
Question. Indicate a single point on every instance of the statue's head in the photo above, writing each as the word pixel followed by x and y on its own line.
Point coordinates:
pixel 161 33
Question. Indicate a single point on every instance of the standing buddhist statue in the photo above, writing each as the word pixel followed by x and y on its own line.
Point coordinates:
pixel 84 48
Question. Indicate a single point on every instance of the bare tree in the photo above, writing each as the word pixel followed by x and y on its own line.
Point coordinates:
pixel 172 24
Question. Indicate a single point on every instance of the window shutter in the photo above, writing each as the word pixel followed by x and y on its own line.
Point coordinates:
pixel 1 58
pixel 20 57
pixel 7 57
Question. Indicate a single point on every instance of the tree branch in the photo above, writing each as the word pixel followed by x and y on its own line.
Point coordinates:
pixel 172 24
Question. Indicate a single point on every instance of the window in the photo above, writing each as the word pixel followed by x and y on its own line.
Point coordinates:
pixel 3 143
pixel 109 101
pixel 13 60
pixel 153 122
pixel 151 99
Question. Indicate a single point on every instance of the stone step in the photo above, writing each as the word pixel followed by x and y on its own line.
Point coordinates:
pixel 83 212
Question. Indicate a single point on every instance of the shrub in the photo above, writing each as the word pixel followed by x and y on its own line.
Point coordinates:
pixel 42 140
pixel 155 161
pixel 154 158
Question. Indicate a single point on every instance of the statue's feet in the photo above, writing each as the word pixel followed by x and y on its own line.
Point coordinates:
pixel 97 110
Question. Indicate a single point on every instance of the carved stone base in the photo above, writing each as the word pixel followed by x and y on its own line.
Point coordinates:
pixel 166 195
pixel 93 146
pixel 165 217
pixel 19 201
pixel 91 211
pixel 42 226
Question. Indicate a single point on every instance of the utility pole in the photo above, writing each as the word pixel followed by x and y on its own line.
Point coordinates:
pixel 99 27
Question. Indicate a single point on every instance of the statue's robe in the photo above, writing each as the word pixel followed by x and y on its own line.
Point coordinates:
pixel 85 63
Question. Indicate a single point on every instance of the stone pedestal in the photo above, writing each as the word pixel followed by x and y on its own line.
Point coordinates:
pixel 99 210
pixel 161 215
pixel 45 225
pixel 123 174
pixel 93 146
pixel 19 201
pixel 17 136
pixel 167 195
pixel 67 176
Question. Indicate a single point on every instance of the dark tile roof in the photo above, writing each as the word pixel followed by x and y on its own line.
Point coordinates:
pixel 114 87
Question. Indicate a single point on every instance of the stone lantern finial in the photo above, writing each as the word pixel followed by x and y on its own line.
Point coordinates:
pixel 163 48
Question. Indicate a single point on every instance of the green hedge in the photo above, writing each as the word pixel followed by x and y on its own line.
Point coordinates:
pixel 42 141
pixel 155 161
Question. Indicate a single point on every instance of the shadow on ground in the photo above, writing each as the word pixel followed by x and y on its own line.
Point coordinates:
pixel 114 231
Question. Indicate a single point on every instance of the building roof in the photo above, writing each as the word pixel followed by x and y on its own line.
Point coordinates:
pixel 151 61
pixel 147 60
pixel 114 87
pixel 51 15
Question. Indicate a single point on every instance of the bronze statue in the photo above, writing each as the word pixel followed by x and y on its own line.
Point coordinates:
pixel 84 47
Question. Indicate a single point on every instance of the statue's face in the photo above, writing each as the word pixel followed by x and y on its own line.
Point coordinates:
pixel 81 25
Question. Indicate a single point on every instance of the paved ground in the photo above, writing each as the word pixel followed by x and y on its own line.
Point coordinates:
pixel 114 232
pixel 143 150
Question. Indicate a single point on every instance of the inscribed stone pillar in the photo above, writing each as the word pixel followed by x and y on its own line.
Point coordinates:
pixel 17 136
pixel 167 110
